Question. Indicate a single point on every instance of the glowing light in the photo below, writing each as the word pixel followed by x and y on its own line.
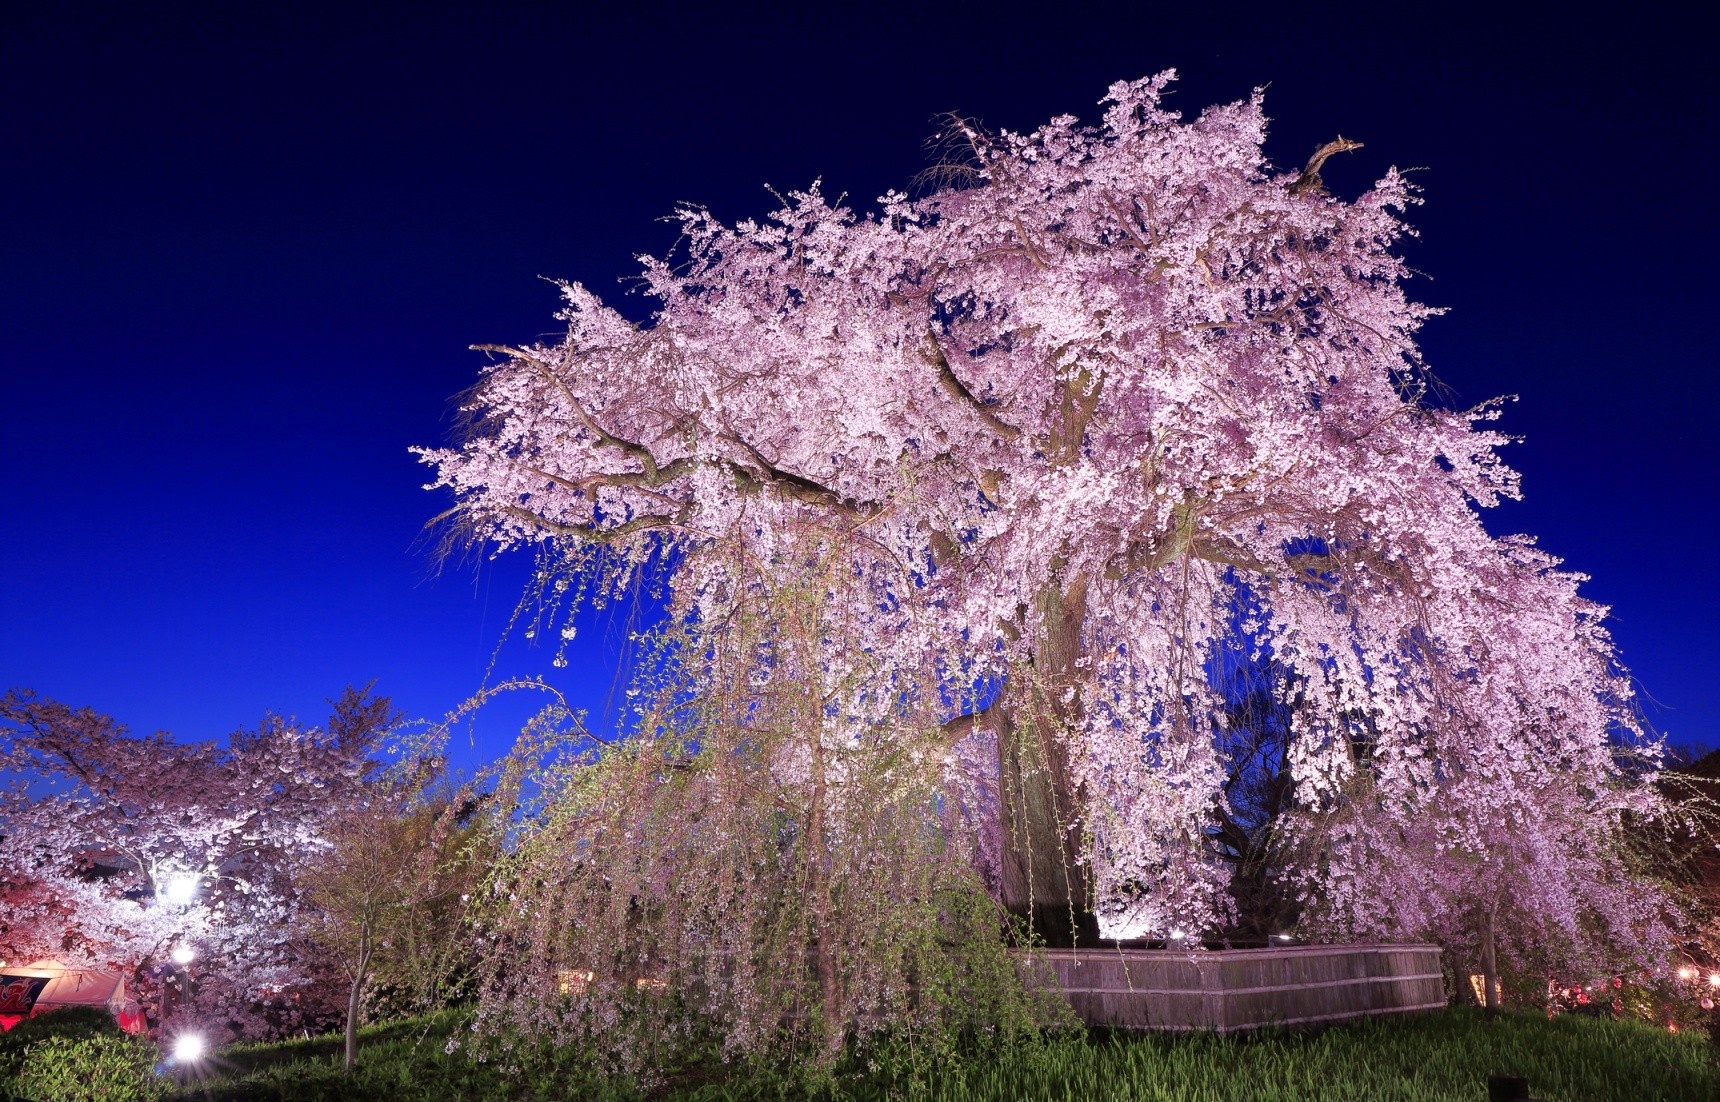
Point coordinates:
pixel 1687 973
pixel 183 955
pixel 181 889
pixel 1714 979
pixel 189 1048
pixel 1177 935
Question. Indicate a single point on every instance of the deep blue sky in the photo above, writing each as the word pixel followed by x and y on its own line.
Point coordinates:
pixel 243 252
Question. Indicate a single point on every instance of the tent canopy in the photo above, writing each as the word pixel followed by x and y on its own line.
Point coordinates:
pixel 74 986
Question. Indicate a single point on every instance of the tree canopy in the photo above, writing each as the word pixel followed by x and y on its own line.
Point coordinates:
pixel 1047 451
pixel 116 849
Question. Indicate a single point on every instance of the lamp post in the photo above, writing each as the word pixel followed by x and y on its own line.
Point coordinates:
pixel 188 1048
pixel 178 890
pixel 182 956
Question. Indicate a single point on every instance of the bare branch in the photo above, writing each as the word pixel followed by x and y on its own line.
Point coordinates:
pixel 1310 178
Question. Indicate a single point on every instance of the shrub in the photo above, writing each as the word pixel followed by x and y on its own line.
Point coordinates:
pixel 76 1023
pixel 91 1069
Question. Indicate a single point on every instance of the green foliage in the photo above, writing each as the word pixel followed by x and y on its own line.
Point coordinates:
pixel 77 1023
pixel 91 1069
pixel 403 1061
pixel 1426 1058
pixel 1429 1058
pixel 772 868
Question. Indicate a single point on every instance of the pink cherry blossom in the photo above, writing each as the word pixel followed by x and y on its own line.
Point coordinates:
pixel 1049 429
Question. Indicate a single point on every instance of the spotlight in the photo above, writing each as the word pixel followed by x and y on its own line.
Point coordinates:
pixel 183 955
pixel 189 1048
pixel 181 889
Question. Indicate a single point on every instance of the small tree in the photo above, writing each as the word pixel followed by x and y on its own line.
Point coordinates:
pixel 389 891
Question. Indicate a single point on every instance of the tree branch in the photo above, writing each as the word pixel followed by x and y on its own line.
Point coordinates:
pixel 634 450
pixel 959 391
pixel 1310 178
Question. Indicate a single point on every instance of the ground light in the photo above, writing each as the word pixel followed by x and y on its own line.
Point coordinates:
pixel 183 955
pixel 189 1048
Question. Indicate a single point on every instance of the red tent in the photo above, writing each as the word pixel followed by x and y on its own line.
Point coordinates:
pixel 49 985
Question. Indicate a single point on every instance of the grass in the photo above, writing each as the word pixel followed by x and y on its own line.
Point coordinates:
pixel 1429 1058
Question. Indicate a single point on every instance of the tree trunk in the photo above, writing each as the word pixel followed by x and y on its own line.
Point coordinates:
pixel 352 999
pixel 1490 961
pixel 1042 880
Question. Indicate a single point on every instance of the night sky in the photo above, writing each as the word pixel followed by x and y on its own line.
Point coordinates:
pixel 245 249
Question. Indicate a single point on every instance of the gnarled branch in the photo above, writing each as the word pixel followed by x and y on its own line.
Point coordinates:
pixel 959 391
pixel 1310 178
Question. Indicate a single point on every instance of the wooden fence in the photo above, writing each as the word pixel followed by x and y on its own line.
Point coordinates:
pixel 1226 990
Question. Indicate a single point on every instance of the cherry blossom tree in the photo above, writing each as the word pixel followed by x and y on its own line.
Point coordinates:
pixel 1058 422
pixel 133 846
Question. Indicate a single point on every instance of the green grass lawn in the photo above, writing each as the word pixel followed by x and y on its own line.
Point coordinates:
pixel 1446 1055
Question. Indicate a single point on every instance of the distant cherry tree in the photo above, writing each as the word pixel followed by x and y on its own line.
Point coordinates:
pixel 129 847
pixel 1117 401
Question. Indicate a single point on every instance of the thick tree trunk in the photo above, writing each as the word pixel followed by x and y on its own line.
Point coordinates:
pixel 1042 879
